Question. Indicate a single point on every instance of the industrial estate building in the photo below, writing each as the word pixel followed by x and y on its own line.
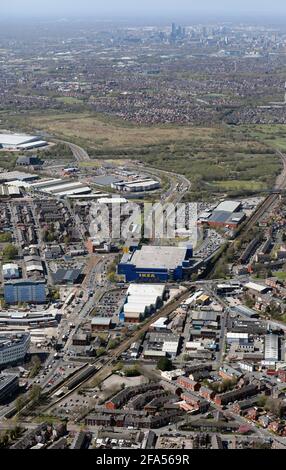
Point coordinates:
pixel 156 263
pixel 13 348
pixel 143 184
pixel 21 291
pixel 226 214
pixel 12 177
pixel 21 142
pixel 61 188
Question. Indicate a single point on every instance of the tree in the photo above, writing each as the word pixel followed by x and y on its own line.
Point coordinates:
pixel 164 364
pixel 10 252
pixel 35 393
pixel 131 372
pixel 36 366
pixel 5 237
pixel 100 352
pixel 20 403
pixel 113 343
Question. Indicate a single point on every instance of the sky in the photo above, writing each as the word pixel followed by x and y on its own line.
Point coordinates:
pixel 132 8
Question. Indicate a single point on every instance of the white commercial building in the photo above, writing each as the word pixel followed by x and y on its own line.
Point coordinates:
pixel 237 337
pixel 171 348
pixel 172 374
pixel 10 271
pixel 160 324
pixel 271 349
pixel 13 348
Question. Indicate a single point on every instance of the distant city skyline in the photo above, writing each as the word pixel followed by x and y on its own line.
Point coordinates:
pixel 131 8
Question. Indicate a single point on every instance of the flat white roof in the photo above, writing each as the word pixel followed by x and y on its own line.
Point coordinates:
pixel 143 289
pixel 34 267
pixel 237 335
pixel 134 308
pixel 16 176
pixel 228 206
pixel 112 200
pixel 17 139
pixel 81 190
pixel 165 257
pixel 45 182
pixel 170 346
pixel 10 266
pixel 254 286
pixel 36 143
pixel 160 323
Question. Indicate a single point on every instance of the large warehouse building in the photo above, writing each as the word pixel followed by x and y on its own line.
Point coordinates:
pixel 142 300
pixel 156 264
pixel 21 142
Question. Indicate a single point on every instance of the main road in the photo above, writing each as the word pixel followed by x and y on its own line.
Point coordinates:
pixel 78 152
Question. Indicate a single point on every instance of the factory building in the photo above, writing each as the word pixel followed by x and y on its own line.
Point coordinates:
pixel 13 348
pixel 156 263
pixel 20 142
pixel 23 291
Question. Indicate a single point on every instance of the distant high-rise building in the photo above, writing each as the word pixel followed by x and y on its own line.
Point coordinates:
pixel 177 32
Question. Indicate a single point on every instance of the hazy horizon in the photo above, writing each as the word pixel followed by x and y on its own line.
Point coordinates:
pixel 131 9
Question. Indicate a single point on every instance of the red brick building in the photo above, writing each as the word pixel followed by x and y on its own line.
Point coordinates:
pixel 188 384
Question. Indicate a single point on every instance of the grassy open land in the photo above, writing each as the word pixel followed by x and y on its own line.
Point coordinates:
pixel 281 275
pixel 273 135
pixel 8 160
pixel 109 134
pixel 69 100
pixel 225 159
pixel 241 185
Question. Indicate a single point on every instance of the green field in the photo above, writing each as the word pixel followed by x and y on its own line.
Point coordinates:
pixel 281 275
pixel 273 135
pixel 69 100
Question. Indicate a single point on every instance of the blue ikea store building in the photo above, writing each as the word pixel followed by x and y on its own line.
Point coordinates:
pixel 156 264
